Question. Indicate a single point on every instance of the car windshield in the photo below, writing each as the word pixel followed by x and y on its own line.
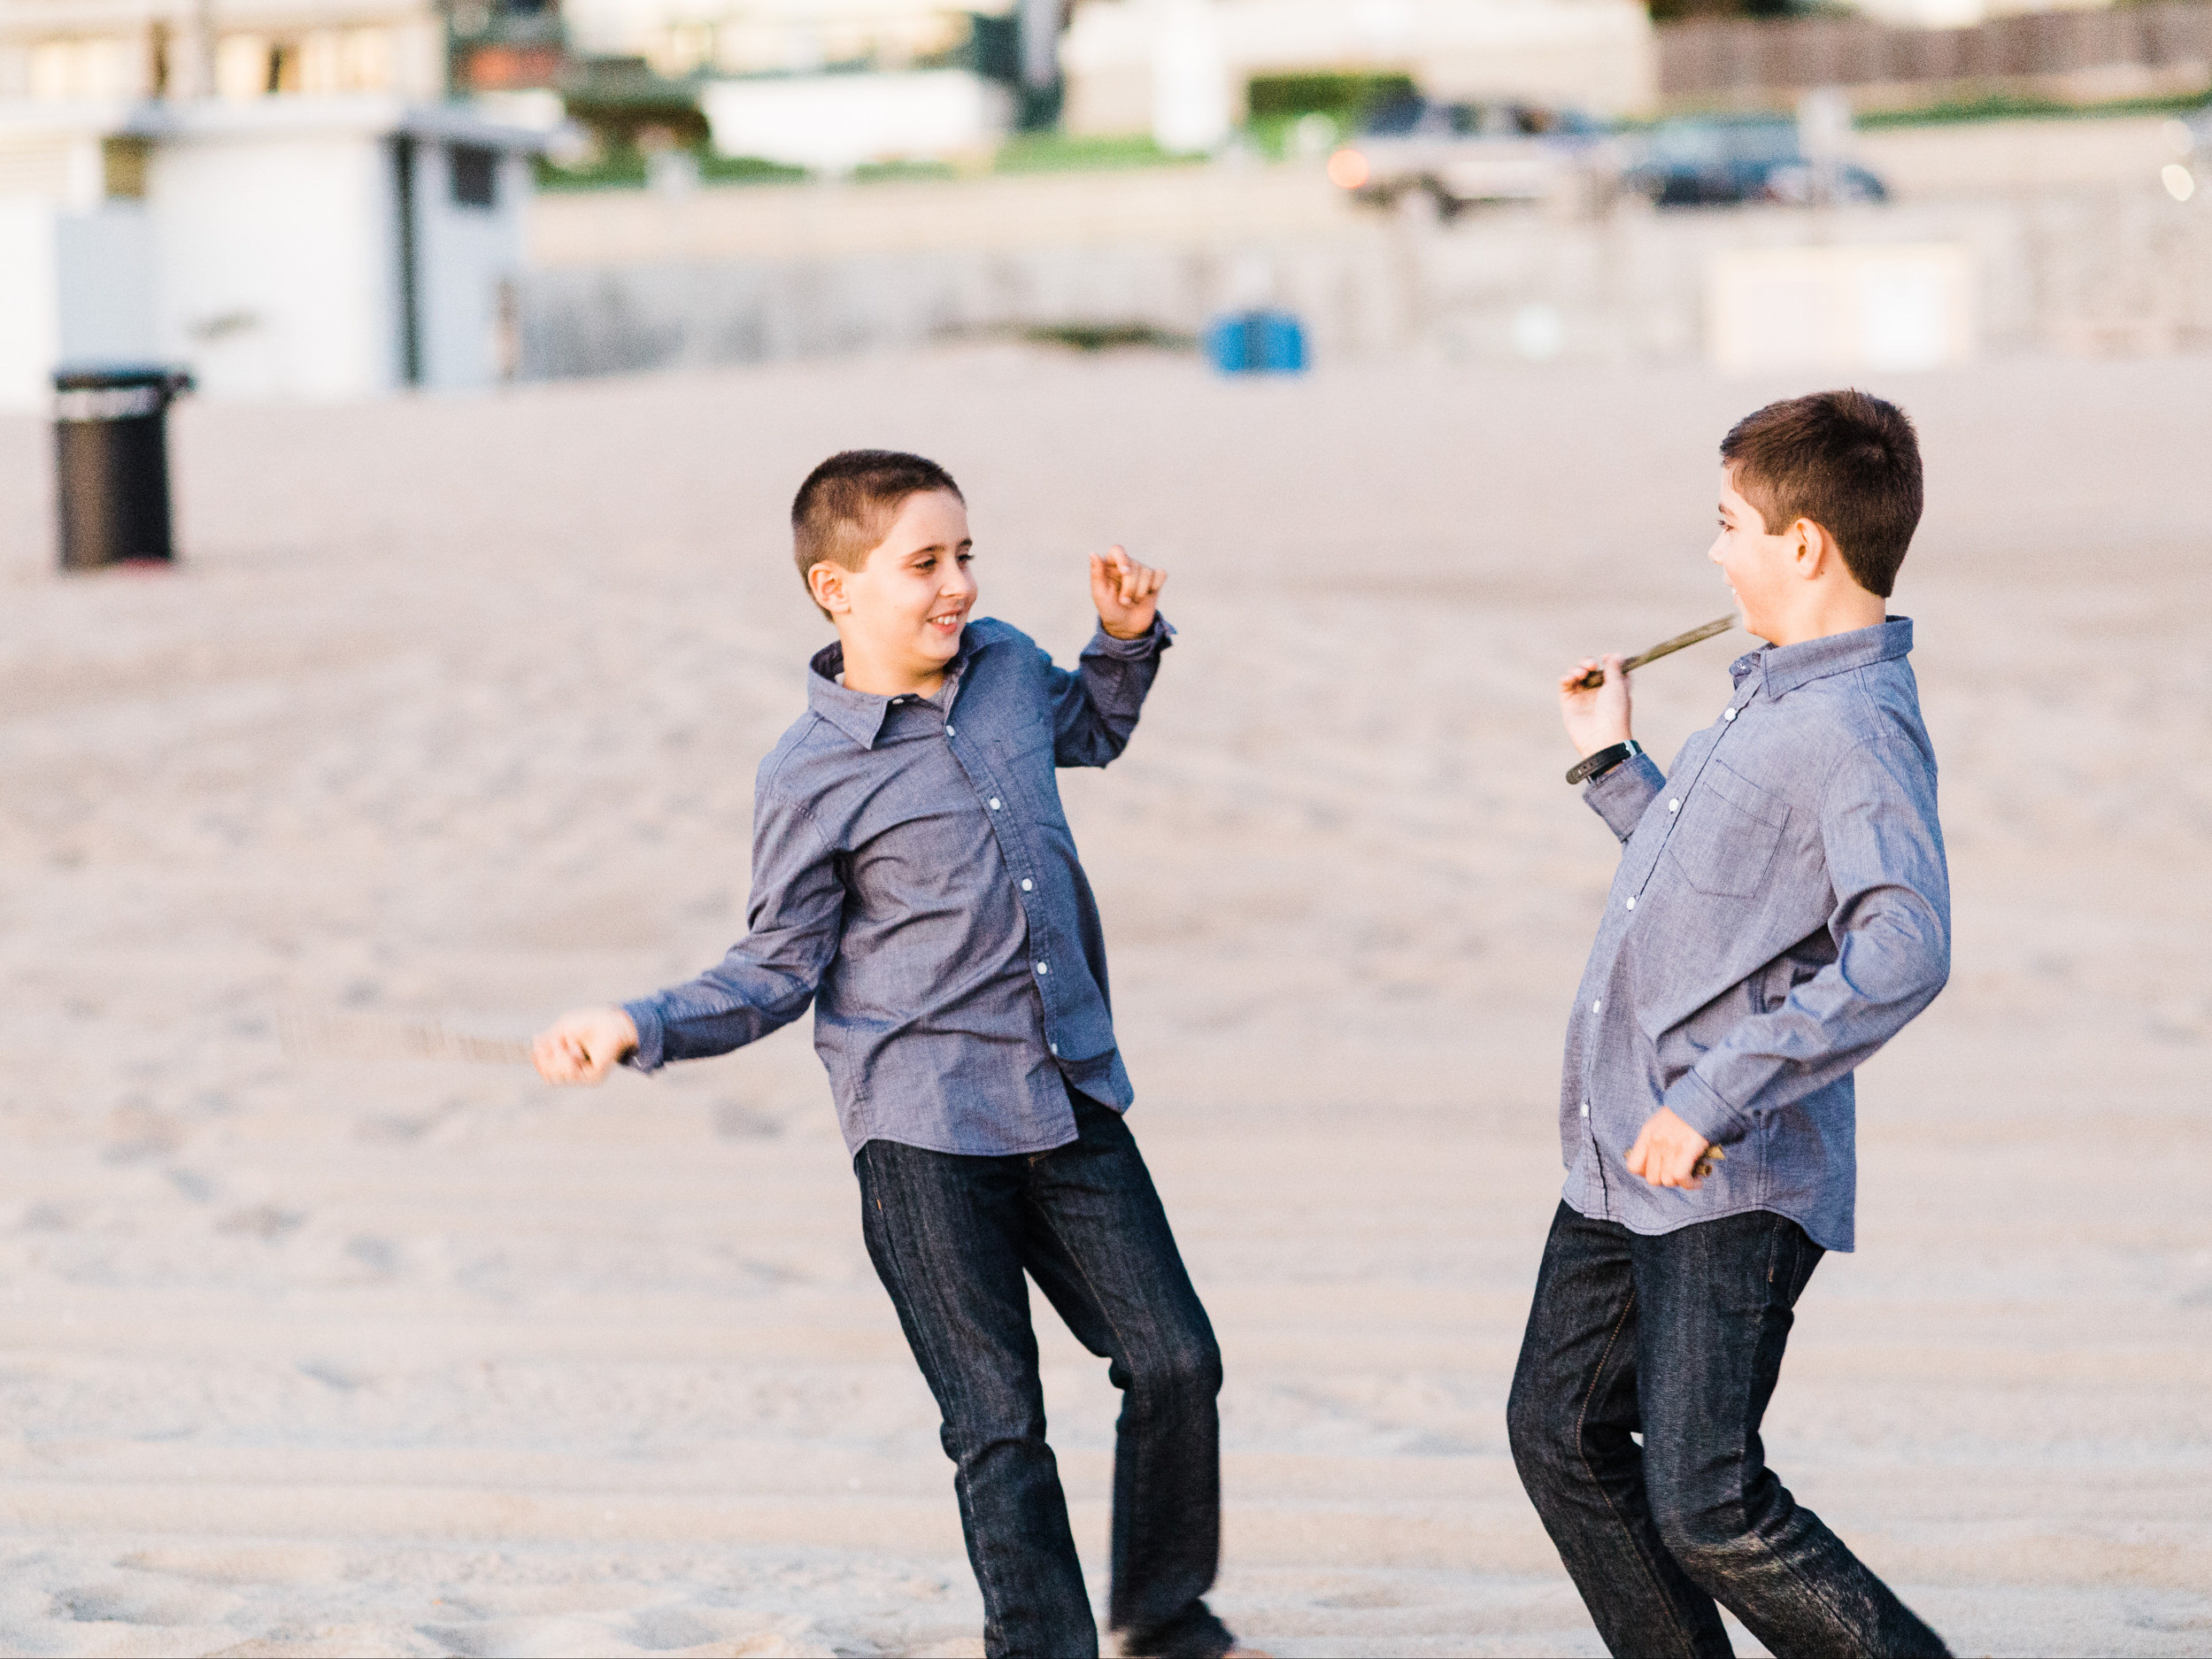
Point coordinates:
pixel 1395 118
pixel 1712 144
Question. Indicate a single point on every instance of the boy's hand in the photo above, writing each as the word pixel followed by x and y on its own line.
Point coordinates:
pixel 1126 592
pixel 1666 1151
pixel 582 1047
pixel 1595 720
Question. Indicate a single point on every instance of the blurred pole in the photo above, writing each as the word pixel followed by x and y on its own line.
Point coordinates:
pixel 1823 133
pixel 1040 92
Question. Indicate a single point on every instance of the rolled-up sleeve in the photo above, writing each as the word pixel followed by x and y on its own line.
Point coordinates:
pixel 1619 794
pixel 1095 708
pixel 768 977
pixel 1891 930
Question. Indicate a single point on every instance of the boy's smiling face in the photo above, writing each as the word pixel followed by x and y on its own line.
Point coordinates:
pixel 900 615
pixel 1760 567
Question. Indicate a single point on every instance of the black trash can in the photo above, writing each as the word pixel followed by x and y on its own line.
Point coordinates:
pixel 111 461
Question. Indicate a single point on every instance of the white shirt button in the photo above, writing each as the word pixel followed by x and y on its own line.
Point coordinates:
pixel 1596 1007
pixel 951 733
pixel 1053 1046
pixel 1586 1108
pixel 994 803
pixel 1045 967
pixel 1674 806
pixel 1728 713
pixel 1027 883
pixel 1631 904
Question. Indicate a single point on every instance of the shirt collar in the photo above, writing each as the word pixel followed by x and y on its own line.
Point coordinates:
pixel 860 714
pixel 1787 667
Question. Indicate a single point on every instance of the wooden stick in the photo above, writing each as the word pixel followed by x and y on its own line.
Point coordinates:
pixel 1596 677
pixel 346 1037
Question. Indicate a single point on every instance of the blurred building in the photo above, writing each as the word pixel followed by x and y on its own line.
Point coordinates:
pixel 74 50
pixel 274 193
pixel 300 247
pixel 1180 68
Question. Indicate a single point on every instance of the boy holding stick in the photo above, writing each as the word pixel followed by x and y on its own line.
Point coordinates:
pixel 914 878
pixel 1781 910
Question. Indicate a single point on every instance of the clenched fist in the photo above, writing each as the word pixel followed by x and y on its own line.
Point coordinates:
pixel 583 1046
pixel 1126 592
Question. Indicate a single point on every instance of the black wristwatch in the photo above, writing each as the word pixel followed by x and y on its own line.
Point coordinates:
pixel 1600 763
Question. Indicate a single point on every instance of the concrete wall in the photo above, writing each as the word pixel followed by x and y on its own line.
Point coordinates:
pixel 2111 269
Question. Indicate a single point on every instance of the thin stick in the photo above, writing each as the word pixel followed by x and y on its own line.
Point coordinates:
pixel 1596 677
pixel 351 1037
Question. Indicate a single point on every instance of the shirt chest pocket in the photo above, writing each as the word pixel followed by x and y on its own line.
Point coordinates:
pixel 1728 830
pixel 1025 754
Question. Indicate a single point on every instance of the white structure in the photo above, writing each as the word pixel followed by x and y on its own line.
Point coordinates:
pixel 750 37
pixel 62 51
pixel 1179 68
pixel 291 248
pixel 835 123
pixel 1840 309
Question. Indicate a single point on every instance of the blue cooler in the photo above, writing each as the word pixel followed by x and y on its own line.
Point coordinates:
pixel 1256 343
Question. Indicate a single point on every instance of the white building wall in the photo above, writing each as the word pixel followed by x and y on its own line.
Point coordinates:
pixel 104 264
pixel 838 122
pixel 30 322
pixel 280 262
pixel 466 257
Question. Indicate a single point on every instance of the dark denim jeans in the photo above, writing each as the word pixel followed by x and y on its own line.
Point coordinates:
pixel 1679 1338
pixel 952 1237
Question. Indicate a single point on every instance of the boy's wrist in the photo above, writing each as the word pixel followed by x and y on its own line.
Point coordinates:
pixel 1157 632
pixel 1597 763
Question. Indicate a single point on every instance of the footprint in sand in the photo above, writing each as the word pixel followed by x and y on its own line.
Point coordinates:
pixel 122 1602
pixel 242 1564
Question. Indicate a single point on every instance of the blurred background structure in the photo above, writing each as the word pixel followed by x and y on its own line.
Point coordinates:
pixel 292 197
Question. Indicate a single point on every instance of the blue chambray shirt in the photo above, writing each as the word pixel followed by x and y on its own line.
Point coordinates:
pixel 914 877
pixel 1782 909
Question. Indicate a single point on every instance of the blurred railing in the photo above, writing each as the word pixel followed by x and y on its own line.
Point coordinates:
pixel 2161 47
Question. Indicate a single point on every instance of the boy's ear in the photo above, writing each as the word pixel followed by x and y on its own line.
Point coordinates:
pixel 1815 552
pixel 826 581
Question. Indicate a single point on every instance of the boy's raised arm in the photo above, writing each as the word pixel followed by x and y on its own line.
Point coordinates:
pixel 765 982
pixel 1095 709
pixel 1892 928
pixel 1596 719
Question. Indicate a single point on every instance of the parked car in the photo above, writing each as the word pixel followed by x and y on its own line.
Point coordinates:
pixel 1453 155
pixel 1715 161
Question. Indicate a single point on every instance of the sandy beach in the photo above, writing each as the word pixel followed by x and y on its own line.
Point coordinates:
pixel 451 714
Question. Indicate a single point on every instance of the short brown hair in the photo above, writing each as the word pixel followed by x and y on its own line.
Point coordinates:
pixel 846 506
pixel 1845 459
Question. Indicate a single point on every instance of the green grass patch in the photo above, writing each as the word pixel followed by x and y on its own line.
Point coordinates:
pixel 1345 97
pixel 894 172
pixel 2009 106
pixel 626 169
pixel 1110 336
pixel 1065 153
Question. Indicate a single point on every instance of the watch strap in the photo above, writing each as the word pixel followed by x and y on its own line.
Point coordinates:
pixel 1600 761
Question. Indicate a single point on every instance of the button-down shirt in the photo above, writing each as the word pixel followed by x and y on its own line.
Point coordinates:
pixel 914 877
pixel 1781 910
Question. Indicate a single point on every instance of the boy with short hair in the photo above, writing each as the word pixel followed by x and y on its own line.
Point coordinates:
pixel 1782 909
pixel 916 879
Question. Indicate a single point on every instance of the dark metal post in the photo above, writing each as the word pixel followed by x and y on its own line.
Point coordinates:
pixel 403 152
